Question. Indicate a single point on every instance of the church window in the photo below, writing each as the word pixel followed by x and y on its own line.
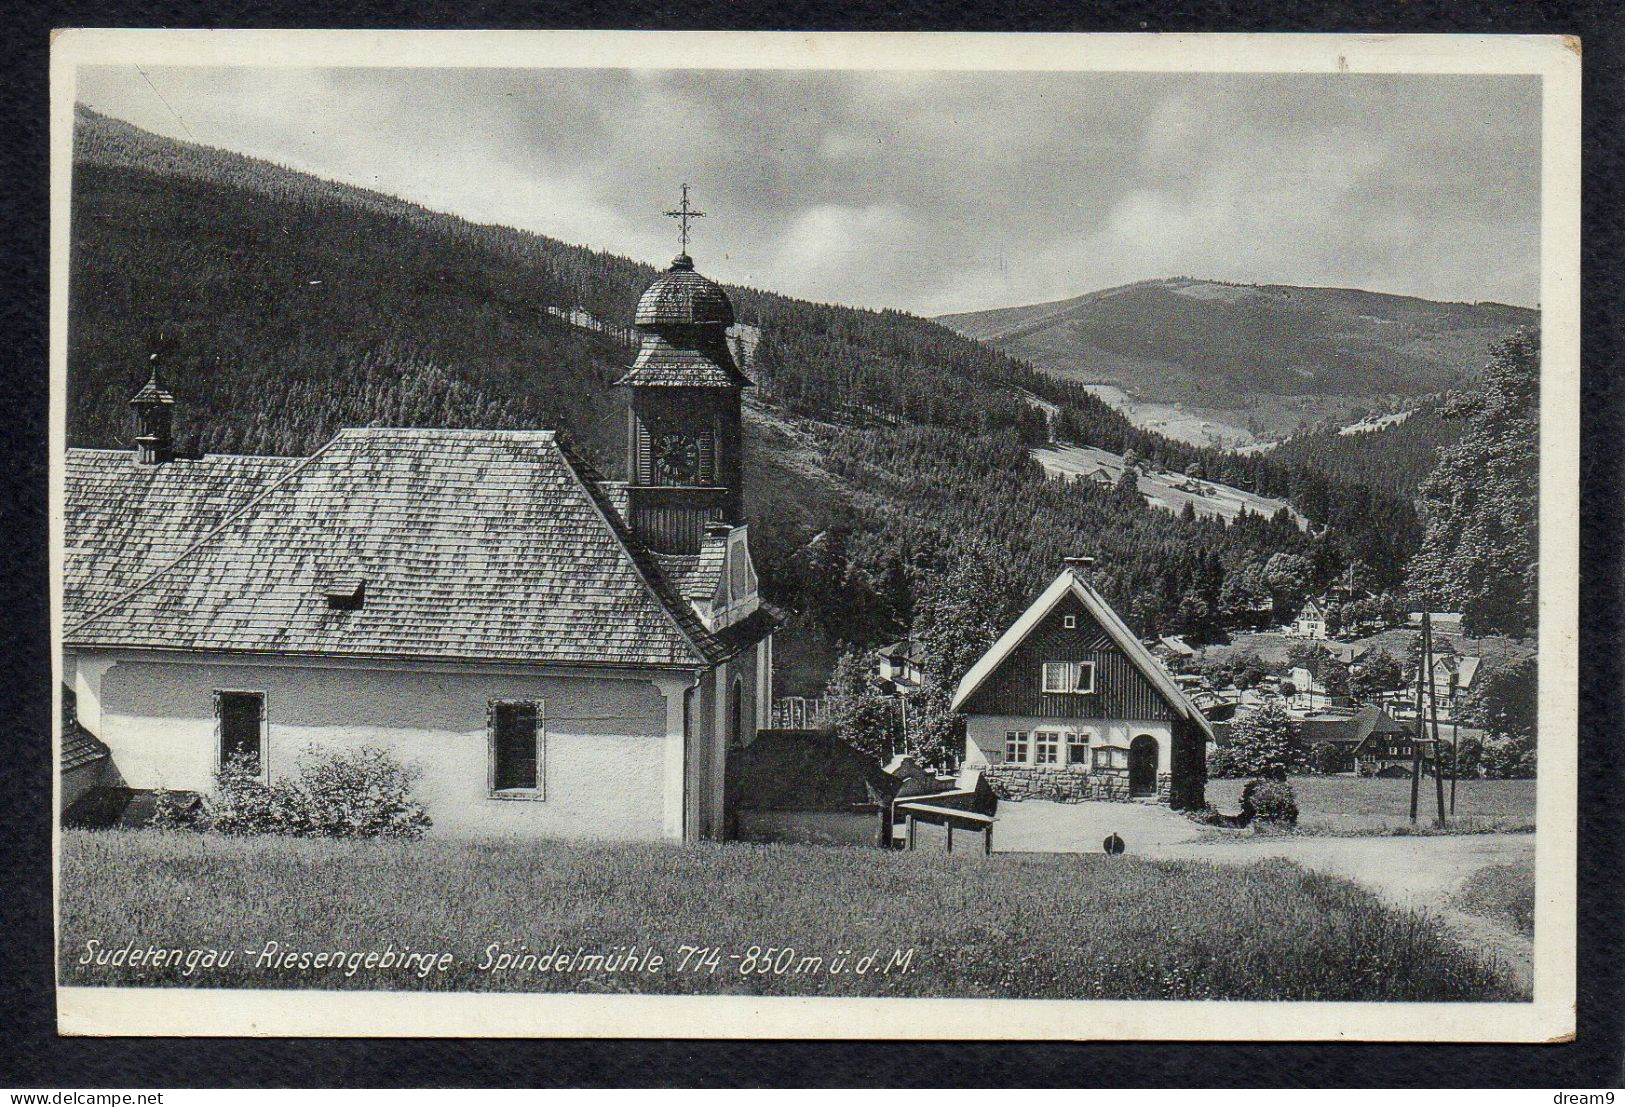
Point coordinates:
pixel 1015 747
pixel 240 722
pixel 517 746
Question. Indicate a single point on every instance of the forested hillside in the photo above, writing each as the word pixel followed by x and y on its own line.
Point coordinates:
pixel 877 441
pixel 1396 458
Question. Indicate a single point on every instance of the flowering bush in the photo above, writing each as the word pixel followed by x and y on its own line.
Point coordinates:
pixel 357 793
pixel 350 793
pixel 1271 802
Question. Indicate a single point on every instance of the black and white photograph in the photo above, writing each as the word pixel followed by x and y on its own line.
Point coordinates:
pixel 814 535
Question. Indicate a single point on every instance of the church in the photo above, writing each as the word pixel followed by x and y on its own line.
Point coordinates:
pixel 558 654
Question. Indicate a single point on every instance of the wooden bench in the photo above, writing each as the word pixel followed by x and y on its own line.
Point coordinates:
pixel 922 810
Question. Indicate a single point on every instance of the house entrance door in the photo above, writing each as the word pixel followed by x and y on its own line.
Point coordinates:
pixel 1142 766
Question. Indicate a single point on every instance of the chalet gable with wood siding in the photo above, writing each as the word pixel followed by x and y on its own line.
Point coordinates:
pixel 1068 704
pixel 558 655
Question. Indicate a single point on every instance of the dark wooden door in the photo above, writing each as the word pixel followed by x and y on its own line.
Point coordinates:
pixel 1142 766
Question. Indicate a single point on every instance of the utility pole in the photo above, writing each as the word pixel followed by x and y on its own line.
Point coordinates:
pixel 1421 723
pixel 1455 744
pixel 1433 708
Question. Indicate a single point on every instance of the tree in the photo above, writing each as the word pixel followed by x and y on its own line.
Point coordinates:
pixel 1504 703
pixel 1479 506
pixel 1470 757
pixel 1378 671
pixel 1126 490
pixel 859 714
pixel 1505 757
pixel 1287 576
pixel 1325 758
pixel 1301 655
pixel 1332 674
pixel 1504 700
pixel 1265 742
pixel 961 612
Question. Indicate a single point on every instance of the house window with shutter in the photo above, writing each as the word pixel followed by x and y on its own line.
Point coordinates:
pixel 518 747
pixel 1069 676
pixel 240 724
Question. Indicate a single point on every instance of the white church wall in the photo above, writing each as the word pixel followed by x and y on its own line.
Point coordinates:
pixel 604 756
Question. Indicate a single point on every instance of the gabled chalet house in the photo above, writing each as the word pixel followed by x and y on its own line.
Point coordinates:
pixel 560 655
pixel 1310 621
pixel 1387 751
pixel 1068 704
pixel 897 669
pixel 1370 729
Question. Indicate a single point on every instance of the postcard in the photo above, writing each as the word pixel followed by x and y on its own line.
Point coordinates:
pixel 912 536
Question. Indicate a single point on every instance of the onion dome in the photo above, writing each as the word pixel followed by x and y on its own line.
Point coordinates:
pixel 680 297
pixel 684 318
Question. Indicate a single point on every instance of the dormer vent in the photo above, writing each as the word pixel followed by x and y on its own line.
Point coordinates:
pixel 346 593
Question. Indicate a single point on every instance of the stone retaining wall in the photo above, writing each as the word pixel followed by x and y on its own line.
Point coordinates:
pixel 1069 784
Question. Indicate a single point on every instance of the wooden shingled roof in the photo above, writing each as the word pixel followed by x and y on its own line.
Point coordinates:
pixel 124 521
pixel 472 545
pixel 680 297
pixel 663 363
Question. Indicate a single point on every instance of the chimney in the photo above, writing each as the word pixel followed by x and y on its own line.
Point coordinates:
pixel 1079 565
pixel 718 529
pixel 154 421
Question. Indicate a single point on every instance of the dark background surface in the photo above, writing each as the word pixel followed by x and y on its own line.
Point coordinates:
pixel 31 1055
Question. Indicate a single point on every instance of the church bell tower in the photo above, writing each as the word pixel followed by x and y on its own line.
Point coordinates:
pixel 683 422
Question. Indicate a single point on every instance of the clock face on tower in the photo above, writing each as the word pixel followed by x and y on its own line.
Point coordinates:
pixel 676 457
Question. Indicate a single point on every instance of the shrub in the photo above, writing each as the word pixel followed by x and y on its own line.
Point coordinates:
pixel 1271 802
pixel 242 803
pixel 1222 764
pixel 357 793
pixel 350 793
pixel 175 811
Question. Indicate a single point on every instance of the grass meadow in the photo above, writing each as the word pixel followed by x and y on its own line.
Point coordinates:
pixel 1502 892
pixel 1367 805
pixel 1013 927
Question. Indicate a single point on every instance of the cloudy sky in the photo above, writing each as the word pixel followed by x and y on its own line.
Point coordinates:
pixel 929 192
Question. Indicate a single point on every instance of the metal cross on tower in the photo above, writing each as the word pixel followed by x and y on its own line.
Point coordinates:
pixel 683 214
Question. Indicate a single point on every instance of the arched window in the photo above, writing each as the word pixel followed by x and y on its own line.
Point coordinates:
pixel 736 714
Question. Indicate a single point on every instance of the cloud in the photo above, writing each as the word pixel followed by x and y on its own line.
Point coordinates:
pixel 931 192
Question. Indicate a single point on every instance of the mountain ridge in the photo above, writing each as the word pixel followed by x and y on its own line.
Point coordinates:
pixel 1184 340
